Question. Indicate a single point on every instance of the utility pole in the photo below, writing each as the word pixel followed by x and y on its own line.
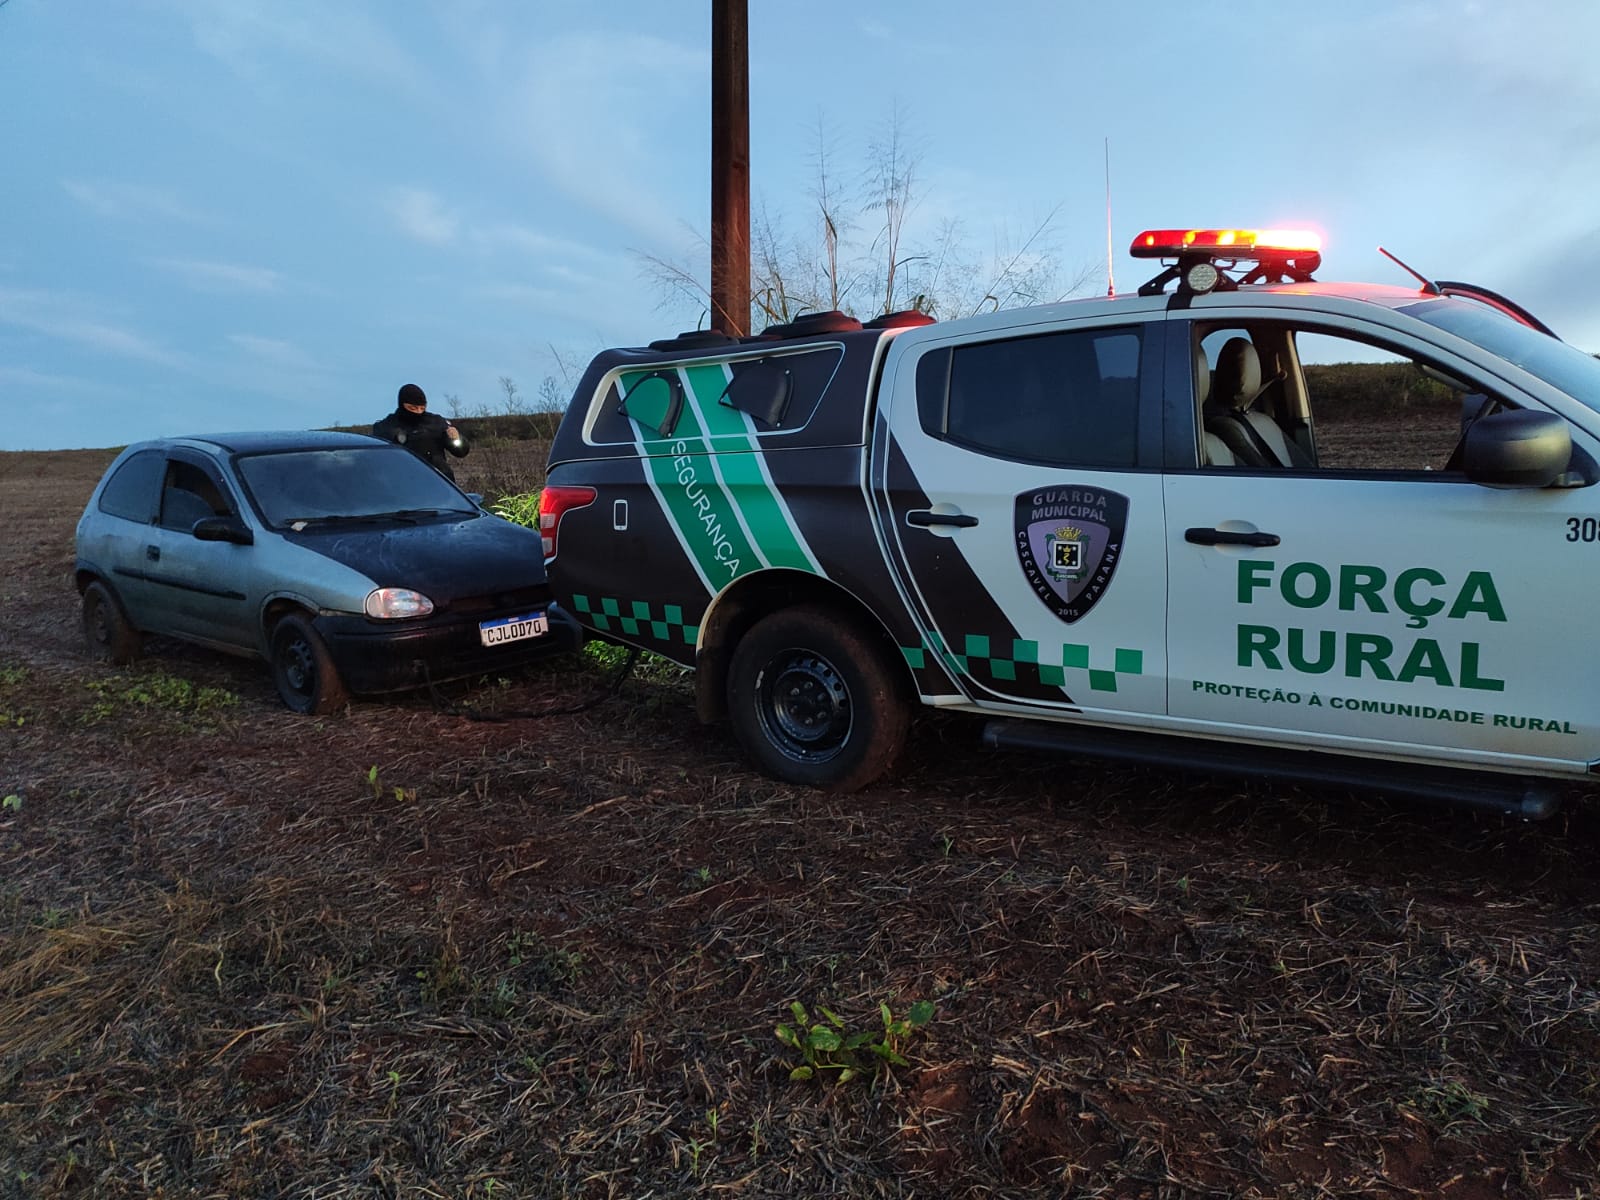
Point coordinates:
pixel 730 166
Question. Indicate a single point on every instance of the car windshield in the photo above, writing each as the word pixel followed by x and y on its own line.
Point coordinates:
pixel 1558 364
pixel 348 484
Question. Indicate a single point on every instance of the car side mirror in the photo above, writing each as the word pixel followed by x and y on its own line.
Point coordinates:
pixel 476 498
pixel 1518 448
pixel 223 529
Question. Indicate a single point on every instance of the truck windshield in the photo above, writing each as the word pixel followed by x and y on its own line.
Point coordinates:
pixel 1558 364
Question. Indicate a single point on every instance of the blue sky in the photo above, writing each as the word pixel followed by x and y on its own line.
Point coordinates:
pixel 226 214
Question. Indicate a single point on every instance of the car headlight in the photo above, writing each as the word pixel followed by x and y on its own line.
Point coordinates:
pixel 389 604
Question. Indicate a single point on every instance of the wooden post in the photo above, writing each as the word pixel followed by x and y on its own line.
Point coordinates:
pixel 730 166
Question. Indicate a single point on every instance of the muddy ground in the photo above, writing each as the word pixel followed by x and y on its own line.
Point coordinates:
pixel 401 953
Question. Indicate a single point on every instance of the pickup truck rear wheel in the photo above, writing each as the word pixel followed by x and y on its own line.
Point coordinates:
pixel 814 700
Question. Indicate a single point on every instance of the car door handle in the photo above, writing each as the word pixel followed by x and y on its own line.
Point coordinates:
pixel 924 517
pixel 153 553
pixel 1227 537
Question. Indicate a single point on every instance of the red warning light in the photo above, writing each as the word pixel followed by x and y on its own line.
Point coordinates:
pixel 1226 243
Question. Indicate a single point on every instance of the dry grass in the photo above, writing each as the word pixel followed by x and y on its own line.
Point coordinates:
pixel 535 958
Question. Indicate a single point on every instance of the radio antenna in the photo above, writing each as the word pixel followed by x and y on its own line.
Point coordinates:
pixel 1111 279
pixel 1428 285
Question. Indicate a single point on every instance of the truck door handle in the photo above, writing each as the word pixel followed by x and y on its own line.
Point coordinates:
pixel 924 517
pixel 1227 537
pixel 153 553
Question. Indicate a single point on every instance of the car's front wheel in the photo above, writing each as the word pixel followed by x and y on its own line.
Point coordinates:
pixel 816 700
pixel 303 670
pixel 106 627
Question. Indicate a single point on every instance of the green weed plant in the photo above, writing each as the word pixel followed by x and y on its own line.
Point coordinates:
pixel 827 1044
pixel 157 692
pixel 521 509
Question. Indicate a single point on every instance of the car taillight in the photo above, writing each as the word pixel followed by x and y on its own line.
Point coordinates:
pixel 555 501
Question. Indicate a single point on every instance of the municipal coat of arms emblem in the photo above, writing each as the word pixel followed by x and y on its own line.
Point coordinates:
pixel 1069 541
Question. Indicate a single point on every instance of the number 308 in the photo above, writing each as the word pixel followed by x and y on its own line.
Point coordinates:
pixel 1584 530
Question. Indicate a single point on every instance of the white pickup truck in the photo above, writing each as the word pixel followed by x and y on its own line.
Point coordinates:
pixel 1147 526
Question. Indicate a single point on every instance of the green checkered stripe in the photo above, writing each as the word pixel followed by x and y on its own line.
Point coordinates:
pixel 978 661
pixel 636 618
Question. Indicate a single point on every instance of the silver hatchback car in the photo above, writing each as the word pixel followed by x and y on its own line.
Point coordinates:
pixel 346 562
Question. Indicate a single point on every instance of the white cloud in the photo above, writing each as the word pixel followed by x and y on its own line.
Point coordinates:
pixel 129 201
pixel 60 317
pixel 221 276
pixel 601 117
pixel 27 377
pixel 420 214
pixel 273 351
pixel 532 241
pixel 525 295
pixel 243 34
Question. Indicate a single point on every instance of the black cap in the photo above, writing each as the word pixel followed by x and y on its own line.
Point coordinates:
pixel 410 393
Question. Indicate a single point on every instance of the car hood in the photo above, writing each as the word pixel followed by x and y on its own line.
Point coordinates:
pixel 444 560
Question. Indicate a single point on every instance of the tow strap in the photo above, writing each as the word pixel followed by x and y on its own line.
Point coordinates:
pixel 441 705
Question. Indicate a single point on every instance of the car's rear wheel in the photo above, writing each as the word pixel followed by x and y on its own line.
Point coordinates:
pixel 816 700
pixel 303 670
pixel 106 627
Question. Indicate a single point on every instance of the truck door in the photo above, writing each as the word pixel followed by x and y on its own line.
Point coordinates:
pixel 1374 599
pixel 1016 479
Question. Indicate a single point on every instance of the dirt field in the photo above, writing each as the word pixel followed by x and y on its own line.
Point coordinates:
pixel 398 953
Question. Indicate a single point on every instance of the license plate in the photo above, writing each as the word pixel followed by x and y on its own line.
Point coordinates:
pixel 513 629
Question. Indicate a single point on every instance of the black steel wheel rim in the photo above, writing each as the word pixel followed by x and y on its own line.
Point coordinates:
pixel 804 706
pixel 99 623
pixel 299 665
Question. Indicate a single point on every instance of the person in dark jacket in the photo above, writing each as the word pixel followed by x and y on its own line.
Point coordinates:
pixel 427 435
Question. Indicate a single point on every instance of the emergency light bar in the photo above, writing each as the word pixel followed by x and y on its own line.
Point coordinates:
pixel 1226 243
pixel 1278 255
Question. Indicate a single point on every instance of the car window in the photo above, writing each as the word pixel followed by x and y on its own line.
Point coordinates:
pixel 1377 410
pixel 1306 398
pixel 1067 399
pixel 131 490
pixel 190 495
pixel 313 485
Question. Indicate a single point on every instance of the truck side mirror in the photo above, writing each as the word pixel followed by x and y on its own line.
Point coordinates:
pixel 1518 448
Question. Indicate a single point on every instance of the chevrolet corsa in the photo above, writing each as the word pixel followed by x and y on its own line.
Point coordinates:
pixel 348 564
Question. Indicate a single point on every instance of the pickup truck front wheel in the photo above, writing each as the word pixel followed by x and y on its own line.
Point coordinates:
pixel 816 701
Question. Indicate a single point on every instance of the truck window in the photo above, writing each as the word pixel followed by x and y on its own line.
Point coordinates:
pixel 1064 399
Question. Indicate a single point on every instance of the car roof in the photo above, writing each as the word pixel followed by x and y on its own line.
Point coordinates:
pixel 274 440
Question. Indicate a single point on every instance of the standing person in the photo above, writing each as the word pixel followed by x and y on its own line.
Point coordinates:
pixel 427 435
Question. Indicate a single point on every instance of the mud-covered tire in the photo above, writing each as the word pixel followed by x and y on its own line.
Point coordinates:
pixel 106 629
pixel 816 700
pixel 303 670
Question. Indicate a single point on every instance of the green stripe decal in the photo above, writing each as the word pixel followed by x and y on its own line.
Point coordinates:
pixel 729 431
pixel 640 620
pixel 696 502
pixel 980 661
pixel 713 484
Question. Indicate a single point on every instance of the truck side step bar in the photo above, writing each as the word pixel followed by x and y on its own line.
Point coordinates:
pixel 1530 799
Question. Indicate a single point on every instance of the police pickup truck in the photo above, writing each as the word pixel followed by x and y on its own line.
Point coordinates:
pixel 1151 526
